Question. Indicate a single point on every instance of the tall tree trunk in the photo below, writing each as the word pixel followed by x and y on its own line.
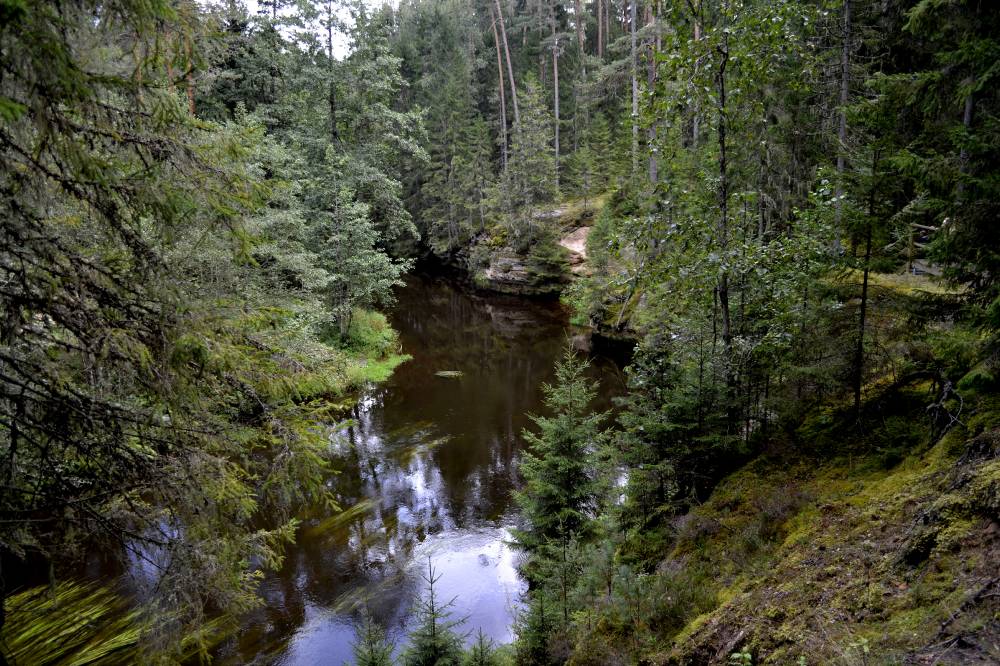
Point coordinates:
pixel 578 19
pixel 510 67
pixel 723 233
pixel 652 50
pixel 503 95
pixel 555 93
pixel 845 82
pixel 635 89
pixel 600 30
pixel 607 24
pixel 859 350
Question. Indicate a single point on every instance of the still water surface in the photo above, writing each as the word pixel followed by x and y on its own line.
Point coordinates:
pixel 427 470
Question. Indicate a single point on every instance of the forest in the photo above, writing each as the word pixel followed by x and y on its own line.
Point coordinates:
pixel 784 210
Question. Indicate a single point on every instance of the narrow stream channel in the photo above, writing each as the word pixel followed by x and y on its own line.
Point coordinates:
pixel 426 471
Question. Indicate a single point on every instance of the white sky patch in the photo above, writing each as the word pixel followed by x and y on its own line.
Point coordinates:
pixel 341 39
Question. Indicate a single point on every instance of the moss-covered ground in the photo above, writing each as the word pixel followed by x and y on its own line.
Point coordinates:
pixel 871 539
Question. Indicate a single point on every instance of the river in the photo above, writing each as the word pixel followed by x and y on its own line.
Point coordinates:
pixel 426 473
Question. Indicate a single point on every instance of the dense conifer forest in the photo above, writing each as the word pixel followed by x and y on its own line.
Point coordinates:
pixel 785 210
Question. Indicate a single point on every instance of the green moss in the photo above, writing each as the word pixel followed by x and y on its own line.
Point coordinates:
pixel 367 372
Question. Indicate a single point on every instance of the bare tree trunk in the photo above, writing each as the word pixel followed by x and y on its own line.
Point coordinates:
pixel 189 74
pixel 578 19
pixel 654 48
pixel 555 93
pixel 845 73
pixel 510 68
pixel 600 29
pixel 635 90
pixel 503 102
pixel 723 232
pixel 607 23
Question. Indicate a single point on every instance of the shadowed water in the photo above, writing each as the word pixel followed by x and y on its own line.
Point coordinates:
pixel 426 470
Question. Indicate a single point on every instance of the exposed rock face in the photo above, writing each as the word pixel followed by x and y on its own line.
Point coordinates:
pixel 511 273
pixel 508 272
pixel 576 243
pixel 541 270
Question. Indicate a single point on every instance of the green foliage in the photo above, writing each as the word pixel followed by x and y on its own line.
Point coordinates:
pixel 370 335
pixel 561 484
pixel 77 624
pixel 590 167
pixel 530 178
pixel 371 647
pixel 481 653
pixel 434 642
pixel 202 208
pixel 950 139
pixel 166 348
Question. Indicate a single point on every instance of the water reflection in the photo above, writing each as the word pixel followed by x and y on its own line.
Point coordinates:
pixel 427 468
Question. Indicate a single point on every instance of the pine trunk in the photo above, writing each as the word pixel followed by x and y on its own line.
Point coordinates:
pixel 635 89
pixel 652 49
pixel 600 29
pixel 723 232
pixel 503 95
pixel 332 89
pixel 555 94
pixel 578 19
pixel 510 67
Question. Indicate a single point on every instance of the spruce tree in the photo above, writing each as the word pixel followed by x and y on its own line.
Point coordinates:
pixel 434 642
pixel 951 103
pixel 371 646
pixel 481 653
pixel 459 170
pixel 561 484
pixel 530 178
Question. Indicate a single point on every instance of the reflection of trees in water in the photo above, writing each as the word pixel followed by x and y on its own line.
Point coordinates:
pixel 423 455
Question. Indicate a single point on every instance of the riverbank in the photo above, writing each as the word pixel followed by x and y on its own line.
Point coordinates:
pixel 296 378
pixel 426 466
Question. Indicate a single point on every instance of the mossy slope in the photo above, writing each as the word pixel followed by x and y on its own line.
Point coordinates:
pixel 843 561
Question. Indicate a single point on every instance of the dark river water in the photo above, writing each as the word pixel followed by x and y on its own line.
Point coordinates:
pixel 426 471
